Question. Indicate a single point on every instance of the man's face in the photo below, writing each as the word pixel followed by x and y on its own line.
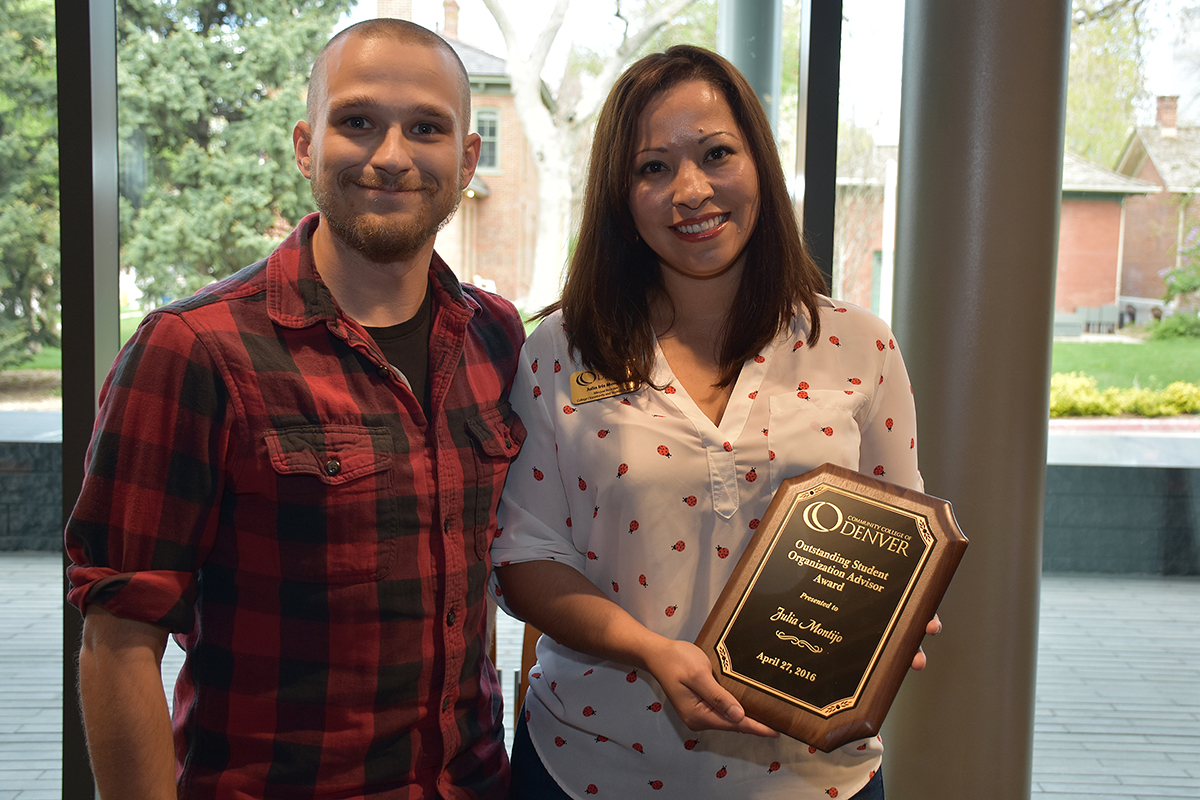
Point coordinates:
pixel 387 151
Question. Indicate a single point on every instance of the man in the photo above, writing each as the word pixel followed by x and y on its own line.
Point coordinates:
pixel 296 472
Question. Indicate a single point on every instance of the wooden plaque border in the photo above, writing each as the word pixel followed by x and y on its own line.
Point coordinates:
pixel 860 714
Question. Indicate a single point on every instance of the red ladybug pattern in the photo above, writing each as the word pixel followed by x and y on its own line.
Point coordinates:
pixel 669 390
pixel 843 385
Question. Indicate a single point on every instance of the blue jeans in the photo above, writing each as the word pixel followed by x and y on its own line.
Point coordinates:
pixel 531 781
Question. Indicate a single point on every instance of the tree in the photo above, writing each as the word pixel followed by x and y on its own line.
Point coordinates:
pixel 29 287
pixel 557 131
pixel 1106 76
pixel 209 91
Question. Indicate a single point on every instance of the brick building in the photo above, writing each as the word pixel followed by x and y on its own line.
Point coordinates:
pixel 1158 225
pixel 1095 234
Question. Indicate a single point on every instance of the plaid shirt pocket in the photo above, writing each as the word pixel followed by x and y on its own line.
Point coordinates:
pixel 337 511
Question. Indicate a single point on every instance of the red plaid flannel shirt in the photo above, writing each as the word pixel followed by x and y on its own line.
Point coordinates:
pixel 262 484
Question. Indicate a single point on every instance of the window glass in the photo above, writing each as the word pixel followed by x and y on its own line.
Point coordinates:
pixel 487 125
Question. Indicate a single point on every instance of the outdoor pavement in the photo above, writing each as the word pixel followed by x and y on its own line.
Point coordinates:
pixel 1118 690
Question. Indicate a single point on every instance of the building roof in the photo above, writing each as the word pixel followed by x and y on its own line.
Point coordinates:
pixel 1081 175
pixel 479 63
pixel 1177 157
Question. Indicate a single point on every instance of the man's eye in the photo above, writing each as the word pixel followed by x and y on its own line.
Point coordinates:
pixel 357 122
pixel 426 129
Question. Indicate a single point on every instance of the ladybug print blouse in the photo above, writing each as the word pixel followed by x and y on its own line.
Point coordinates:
pixel 654 503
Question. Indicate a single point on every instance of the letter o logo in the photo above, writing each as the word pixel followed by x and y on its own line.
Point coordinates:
pixel 811 520
pixel 585 378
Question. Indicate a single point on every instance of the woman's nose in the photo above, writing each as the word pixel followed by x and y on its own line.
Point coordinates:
pixel 691 187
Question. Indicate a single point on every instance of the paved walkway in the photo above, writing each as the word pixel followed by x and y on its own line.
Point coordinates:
pixel 1118 692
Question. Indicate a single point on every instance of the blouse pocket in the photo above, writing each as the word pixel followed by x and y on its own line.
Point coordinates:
pixel 336 519
pixel 497 435
pixel 810 428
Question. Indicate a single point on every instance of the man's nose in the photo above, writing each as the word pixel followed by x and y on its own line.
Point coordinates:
pixel 393 155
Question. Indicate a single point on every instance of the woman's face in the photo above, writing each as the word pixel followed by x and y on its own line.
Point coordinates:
pixel 694 190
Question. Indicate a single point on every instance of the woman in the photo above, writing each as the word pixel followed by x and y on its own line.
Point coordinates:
pixel 691 365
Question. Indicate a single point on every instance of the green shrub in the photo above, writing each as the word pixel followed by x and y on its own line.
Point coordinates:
pixel 1076 395
pixel 1177 326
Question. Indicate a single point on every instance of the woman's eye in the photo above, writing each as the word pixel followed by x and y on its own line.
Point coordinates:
pixel 652 167
pixel 718 153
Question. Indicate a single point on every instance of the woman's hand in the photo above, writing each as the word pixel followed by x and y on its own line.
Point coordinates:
pixel 932 629
pixel 686 676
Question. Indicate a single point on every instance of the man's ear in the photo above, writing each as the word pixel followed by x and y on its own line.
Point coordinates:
pixel 302 144
pixel 472 143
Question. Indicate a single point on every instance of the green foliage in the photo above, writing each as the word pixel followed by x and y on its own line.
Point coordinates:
pixel 1105 77
pixel 1075 395
pixel 29 288
pixel 209 93
pixel 1177 326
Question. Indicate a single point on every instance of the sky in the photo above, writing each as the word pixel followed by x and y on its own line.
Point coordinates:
pixel 871 47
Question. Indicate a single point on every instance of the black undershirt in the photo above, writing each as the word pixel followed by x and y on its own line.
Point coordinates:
pixel 406 347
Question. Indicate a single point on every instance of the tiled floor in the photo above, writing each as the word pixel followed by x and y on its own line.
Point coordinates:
pixel 1118 697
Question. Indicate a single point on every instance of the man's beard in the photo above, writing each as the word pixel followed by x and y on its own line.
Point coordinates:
pixel 381 240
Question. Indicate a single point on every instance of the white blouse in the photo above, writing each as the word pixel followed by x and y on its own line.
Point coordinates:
pixel 651 501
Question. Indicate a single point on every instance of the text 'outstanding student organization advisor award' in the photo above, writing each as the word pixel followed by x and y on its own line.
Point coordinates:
pixel 819 623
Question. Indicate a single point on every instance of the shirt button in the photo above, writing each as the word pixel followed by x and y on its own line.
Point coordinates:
pixel 333 467
pixel 445 703
pixel 446 526
pixel 507 442
pixel 385 372
pixel 450 619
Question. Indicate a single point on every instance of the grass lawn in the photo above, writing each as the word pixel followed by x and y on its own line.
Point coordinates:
pixel 1149 365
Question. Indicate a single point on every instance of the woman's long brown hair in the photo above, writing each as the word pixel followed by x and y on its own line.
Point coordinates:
pixel 612 273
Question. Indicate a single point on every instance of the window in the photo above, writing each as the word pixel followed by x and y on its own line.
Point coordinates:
pixel 487 125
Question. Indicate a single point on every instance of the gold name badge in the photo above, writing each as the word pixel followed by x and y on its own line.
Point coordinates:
pixel 587 386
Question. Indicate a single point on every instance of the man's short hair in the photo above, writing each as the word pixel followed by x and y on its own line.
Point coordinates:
pixel 398 30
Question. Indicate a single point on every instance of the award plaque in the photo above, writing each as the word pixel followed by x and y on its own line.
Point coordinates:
pixel 819 623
